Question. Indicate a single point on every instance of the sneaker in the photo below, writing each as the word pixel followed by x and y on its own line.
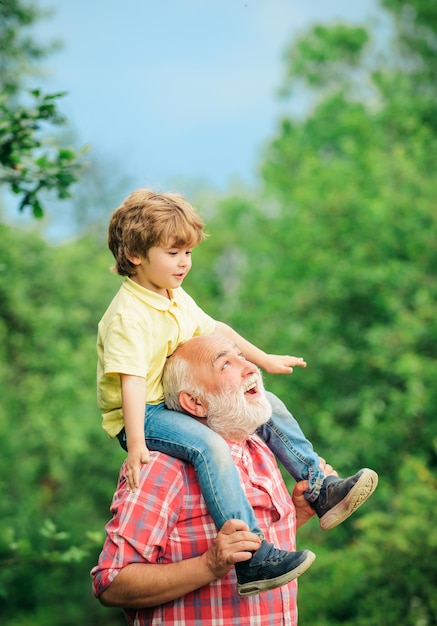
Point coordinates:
pixel 340 497
pixel 270 568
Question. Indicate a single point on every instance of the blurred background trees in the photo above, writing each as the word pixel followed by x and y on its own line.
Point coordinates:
pixel 30 164
pixel 334 259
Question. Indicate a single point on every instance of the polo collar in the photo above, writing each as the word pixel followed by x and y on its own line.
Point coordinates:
pixel 151 298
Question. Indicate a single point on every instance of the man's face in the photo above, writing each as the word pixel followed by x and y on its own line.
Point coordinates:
pixel 218 363
pixel 234 391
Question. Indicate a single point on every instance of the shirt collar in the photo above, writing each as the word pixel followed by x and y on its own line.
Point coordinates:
pixel 241 449
pixel 149 297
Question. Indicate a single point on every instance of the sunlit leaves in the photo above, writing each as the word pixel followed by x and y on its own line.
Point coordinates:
pixel 30 164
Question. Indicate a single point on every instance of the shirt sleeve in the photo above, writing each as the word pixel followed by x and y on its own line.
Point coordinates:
pixel 142 520
pixel 205 324
pixel 128 348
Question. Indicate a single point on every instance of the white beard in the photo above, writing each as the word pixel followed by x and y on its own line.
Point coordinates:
pixel 234 415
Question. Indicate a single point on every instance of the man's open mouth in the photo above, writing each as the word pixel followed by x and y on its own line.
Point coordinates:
pixel 251 387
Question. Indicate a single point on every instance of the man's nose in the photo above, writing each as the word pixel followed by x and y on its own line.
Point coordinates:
pixel 248 368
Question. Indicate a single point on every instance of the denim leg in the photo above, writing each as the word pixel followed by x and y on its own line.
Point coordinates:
pixel 181 436
pixel 286 440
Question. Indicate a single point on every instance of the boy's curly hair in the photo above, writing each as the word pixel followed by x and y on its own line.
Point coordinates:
pixel 146 219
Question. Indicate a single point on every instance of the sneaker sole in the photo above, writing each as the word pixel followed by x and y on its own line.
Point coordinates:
pixel 364 488
pixel 258 586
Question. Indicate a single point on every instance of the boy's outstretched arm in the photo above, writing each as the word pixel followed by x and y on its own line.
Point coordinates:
pixel 133 392
pixel 271 363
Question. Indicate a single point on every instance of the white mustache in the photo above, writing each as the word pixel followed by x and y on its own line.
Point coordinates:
pixel 253 381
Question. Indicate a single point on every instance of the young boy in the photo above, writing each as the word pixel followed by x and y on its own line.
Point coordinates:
pixel 151 237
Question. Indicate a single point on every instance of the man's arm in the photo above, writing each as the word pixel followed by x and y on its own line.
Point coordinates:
pixel 142 585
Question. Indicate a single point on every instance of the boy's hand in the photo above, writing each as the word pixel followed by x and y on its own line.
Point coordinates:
pixel 135 458
pixel 280 364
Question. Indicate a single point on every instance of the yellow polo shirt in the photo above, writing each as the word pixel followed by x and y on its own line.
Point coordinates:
pixel 137 333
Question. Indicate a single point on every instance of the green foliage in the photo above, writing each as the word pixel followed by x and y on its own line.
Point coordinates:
pixel 324 54
pixel 19 49
pixel 415 25
pixel 57 469
pixel 31 163
pixel 335 261
pixel 27 165
pixel 385 573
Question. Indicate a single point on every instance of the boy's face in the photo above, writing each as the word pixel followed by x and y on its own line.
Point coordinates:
pixel 164 268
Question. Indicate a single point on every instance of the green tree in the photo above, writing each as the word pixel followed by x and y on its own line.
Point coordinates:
pixel 336 263
pixel 31 162
pixel 57 470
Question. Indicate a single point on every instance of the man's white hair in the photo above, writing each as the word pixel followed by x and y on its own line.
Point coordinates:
pixel 178 376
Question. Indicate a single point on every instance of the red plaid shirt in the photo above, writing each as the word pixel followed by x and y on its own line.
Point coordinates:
pixel 166 520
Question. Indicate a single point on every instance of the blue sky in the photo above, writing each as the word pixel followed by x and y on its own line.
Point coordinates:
pixel 178 89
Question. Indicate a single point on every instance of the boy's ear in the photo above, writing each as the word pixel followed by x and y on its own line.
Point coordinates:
pixel 192 405
pixel 135 260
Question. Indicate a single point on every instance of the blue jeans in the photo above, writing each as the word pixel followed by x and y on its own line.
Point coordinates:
pixel 181 436
pixel 285 438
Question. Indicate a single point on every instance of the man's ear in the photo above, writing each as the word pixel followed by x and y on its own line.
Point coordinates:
pixel 192 405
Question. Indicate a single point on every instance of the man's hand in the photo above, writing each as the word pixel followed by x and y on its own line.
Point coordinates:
pixel 233 543
pixel 280 364
pixel 135 458
pixel 141 585
pixel 304 511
